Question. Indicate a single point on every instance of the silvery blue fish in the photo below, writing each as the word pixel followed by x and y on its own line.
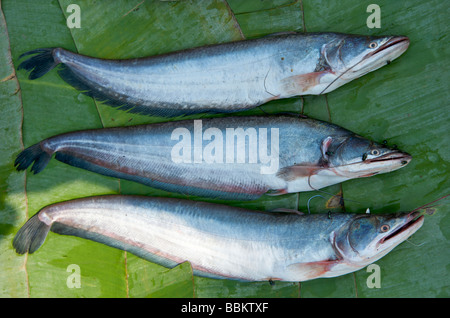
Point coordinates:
pixel 238 158
pixel 222 241
pixel 224 77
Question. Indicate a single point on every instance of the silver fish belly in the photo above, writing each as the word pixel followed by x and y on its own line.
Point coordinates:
pixel 221 241
pixel 238 158
pixel 224 77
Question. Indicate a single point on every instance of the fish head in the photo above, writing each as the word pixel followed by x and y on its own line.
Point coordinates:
pixel 367 238
pixel 358 157
pixel 352 56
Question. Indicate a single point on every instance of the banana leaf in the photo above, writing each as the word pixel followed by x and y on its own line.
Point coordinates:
pixel 403 103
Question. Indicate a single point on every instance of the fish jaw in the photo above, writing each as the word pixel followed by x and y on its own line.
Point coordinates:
pixel 352 259
pixel 360 65
pixel 412 222
pixel 387 163
pixel 387 52
pixel 320 177
pixel 324 177
pixel 384 233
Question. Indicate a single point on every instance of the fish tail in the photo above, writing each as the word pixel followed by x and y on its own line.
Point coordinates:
pixel 40 63
pixel 31 235
pixel 32 155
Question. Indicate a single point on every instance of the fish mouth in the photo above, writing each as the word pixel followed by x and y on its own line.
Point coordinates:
pixel 385 163
pixel 403 157
pixel 387 52
pixel 396 43
pixel 373 166
pixel 413 222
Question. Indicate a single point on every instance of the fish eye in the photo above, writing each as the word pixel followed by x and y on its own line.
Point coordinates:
pixel 375 152
pixel 385 228
pixel 373 45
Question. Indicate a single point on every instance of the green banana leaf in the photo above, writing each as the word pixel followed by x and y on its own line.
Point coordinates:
pixel 405 103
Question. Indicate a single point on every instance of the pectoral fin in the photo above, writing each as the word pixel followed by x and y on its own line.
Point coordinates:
pixel 293 172
pixel 297 84
pixel 312 269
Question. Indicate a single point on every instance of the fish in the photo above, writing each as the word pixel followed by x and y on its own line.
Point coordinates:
pixel 225 242
pixel 221 78
pixel 237 157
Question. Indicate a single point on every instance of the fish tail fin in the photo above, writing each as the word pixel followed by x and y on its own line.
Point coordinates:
pixel 40 63
pixel 32 155
pixel 31 235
